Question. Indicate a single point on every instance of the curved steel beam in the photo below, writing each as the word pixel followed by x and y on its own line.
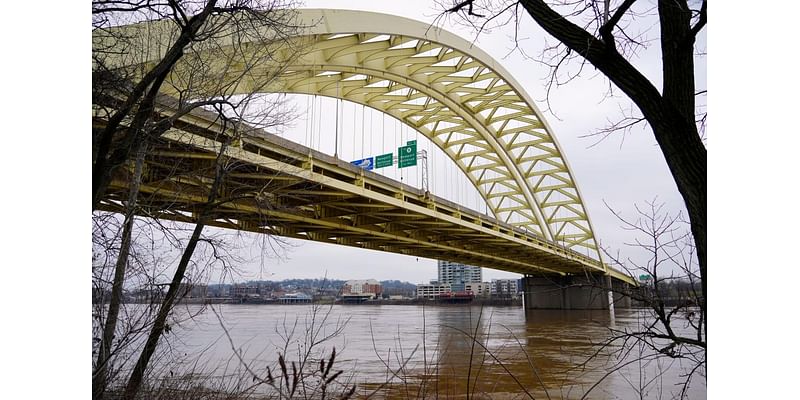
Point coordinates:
pixel 451 92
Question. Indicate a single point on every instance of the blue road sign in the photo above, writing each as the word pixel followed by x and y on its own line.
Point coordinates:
pixel 366 163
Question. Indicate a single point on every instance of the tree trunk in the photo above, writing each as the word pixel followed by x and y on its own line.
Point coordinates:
pixel 137 376
pixel 671 116
pixel 107 158
pixel 100 375
pixel 677 48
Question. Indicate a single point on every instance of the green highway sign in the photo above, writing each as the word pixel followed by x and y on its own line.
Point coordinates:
pixel 407 155
pixel 384 160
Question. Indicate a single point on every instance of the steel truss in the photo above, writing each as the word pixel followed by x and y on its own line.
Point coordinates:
pixel 451 92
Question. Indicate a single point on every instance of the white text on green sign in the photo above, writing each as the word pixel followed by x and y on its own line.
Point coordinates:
pixel 407 155
pixel 384 160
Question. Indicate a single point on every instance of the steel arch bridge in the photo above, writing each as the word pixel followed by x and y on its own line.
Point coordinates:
pixel 451 92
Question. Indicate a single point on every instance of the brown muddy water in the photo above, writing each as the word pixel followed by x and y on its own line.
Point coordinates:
pixel 410 352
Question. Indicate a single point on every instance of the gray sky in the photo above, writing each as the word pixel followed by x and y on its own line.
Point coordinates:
pixel 753 86
pixel 621 170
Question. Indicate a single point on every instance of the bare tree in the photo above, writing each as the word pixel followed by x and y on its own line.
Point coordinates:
pixel 193 37
pixel 111 318
pixel 129 87
pixel 674 324
pixel 599 33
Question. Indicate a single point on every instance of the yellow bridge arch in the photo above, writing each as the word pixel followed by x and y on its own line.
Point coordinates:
pixel 439 84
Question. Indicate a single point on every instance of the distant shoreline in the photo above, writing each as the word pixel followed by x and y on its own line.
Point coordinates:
pixel 413 302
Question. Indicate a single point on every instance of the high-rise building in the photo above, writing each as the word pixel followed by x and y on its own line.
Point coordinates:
pixel 457 275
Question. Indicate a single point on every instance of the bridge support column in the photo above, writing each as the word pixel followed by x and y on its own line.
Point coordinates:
pixel 593 292
pixel 608 287
pixel 543 292
pixel 621 291
pixel 586 293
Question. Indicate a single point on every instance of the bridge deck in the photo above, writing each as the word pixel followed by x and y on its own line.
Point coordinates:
pixel 278 187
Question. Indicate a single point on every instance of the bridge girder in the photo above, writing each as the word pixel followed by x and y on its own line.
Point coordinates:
pixel 439 84
pixel 433 228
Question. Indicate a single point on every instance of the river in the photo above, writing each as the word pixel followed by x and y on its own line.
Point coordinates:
pixel 412 351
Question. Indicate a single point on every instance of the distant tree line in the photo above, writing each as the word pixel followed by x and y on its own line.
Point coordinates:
pixel 390 287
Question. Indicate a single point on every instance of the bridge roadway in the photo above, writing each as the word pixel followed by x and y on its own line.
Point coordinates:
pixel 277 187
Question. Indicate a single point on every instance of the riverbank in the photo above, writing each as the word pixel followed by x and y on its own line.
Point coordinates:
pixel 381 302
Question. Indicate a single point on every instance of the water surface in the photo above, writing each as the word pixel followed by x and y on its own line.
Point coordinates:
pixel 429 351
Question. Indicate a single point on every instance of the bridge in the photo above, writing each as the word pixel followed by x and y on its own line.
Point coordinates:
pixel 452 93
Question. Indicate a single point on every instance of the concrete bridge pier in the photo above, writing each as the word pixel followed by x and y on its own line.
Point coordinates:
pixel 574 292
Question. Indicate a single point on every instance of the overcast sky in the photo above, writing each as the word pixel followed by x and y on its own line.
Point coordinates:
pixel 752 168
pixel 620 171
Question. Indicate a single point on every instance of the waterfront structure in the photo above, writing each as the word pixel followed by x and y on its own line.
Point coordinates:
pixel 193 290
pixel 432 290
pixel 480 289
pixel 245 290
pixel 457 275
pixel 504 288
pixel 362 288
pixel 294 298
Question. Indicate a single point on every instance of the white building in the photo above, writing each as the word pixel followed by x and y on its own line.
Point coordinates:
pixel 457 275
pixel 481 289
pixel 432 290
pixel 365 287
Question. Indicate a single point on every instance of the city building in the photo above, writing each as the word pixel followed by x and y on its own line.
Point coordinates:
pixel 504 288
pixel 193 290
pixel 481 289
pixel 362 288
pixel 242 290
pixel 457 275
pixel 294 298
pixel 432 290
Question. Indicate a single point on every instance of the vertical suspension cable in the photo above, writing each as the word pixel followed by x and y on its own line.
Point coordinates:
pixel 458 187
pixel 456 196
pixel 455 185
pixel 313 121
pixel 448 187
pixel 383 140
pixel 362 131
pixel 336 138
pixel 432 183
pixel 309 121
pixel 402 143
pixel 383 133
pixel 400 134
pixel 462 190
pixel 319 126
pixel 419 177
pixel 474 198
pixel 354 132
pixel 309 110
pixel 313 128
pixel 371 133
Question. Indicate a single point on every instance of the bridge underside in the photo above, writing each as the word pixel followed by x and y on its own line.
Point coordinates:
pixel 442 86
pixel 277 187
pixel 575 292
